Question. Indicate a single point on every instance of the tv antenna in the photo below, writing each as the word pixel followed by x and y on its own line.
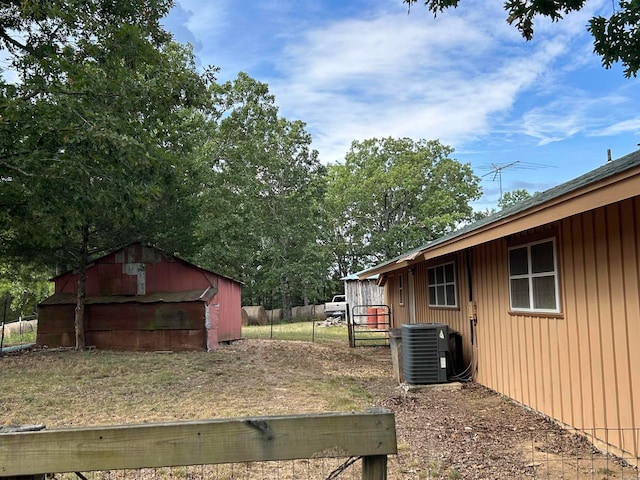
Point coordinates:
pixel 496 169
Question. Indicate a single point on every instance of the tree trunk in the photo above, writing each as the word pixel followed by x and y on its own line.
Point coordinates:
pixel 286 299
pixel 82 283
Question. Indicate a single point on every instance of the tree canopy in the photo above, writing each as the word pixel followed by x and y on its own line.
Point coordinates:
pixel 616 38
pixel 513 197
pixel 109 135
pixel 262 195
pixel 96 132
pixel 392 195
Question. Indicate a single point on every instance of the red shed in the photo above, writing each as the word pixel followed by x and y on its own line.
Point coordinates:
pixel 140 298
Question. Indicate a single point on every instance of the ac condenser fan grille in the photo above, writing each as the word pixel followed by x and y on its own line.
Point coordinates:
pixel 424 353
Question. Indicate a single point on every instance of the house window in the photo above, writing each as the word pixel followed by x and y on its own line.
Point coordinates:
pixel 442 286
pixel 533 277
pixel 400 290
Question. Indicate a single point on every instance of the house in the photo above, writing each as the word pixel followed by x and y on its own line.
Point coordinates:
pixel 140 298
pixel 546 295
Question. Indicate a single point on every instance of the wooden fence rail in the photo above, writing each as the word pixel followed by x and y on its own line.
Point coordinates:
pixel 370 435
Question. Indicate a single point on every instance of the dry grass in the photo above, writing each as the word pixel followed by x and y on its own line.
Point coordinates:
pixel 469 433
pixel 252 377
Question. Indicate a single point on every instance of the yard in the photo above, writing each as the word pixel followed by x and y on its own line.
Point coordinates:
pixel 465 433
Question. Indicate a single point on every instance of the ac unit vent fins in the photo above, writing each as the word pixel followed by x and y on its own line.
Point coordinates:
pixel 424 353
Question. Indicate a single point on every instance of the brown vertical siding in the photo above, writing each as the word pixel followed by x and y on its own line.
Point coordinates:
pixel 581 366
pixel 629 330
pixel 456 318
pixel 399 312
pixel 577 317
pixel 578 367
pixel 595 289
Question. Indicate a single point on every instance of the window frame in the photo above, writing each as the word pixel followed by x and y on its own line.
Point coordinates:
pixel 401 289
pixel 530 276
pixel 444 284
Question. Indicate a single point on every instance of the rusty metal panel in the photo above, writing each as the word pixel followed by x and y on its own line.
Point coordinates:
pixel 66 283
pixel 56 318
pixel 229 310
pixel 213 325
pixel 187 340
pixel 138 316
pixel 132 273
pixel 56 340
pixel 158 297
pixel 175 276
pixel 170 315
pixel 148 341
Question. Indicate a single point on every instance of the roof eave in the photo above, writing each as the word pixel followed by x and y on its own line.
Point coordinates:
pixel 604 191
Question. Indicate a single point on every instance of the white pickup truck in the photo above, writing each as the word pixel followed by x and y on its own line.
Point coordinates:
pixel 337 307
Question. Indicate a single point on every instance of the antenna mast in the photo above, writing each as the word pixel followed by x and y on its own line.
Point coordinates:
pixel 496 170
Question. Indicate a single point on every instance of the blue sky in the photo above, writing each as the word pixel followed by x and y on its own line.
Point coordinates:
pixel 360 69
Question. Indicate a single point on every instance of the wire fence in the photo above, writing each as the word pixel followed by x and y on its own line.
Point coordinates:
pixel 544 456
pixel 307 331
pixel 312 469
pixel 17 332
pixel 416 452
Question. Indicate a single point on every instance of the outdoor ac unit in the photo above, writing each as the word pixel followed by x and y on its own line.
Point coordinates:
pixel 424 353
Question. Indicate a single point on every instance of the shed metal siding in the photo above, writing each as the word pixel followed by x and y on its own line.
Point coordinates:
pixel 132 326
pixel 111 275
pixel 363 292
pixel 228 310
pixel 141 289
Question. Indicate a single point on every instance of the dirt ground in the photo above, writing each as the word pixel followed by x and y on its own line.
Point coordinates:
pixel 470 432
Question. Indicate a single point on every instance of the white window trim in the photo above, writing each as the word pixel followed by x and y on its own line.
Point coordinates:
pixel 531 275
pixel 400 289
pixel 454 283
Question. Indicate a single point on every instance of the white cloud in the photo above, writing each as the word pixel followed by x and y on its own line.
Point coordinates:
pixel 356 70
pixel 206 19
pixel 576 113
pixel 631 125
pixel 402 76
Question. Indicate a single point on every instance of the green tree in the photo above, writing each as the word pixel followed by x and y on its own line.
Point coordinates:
pixel 262 200
pixel 392 195
pixel 23 286
pixel 513 197
pixel 94 152
pixel 616 38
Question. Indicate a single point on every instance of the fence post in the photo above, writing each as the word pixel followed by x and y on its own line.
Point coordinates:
pixel 374 467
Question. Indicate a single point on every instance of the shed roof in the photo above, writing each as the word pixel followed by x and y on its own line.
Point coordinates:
pixel 355 276
pixel 612 182
pixel 178 259
pixel 158 297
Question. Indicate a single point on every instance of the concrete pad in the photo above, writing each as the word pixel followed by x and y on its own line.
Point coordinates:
pixel 407 387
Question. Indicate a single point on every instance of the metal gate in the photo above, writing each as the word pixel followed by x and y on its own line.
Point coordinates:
pixel 369 325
